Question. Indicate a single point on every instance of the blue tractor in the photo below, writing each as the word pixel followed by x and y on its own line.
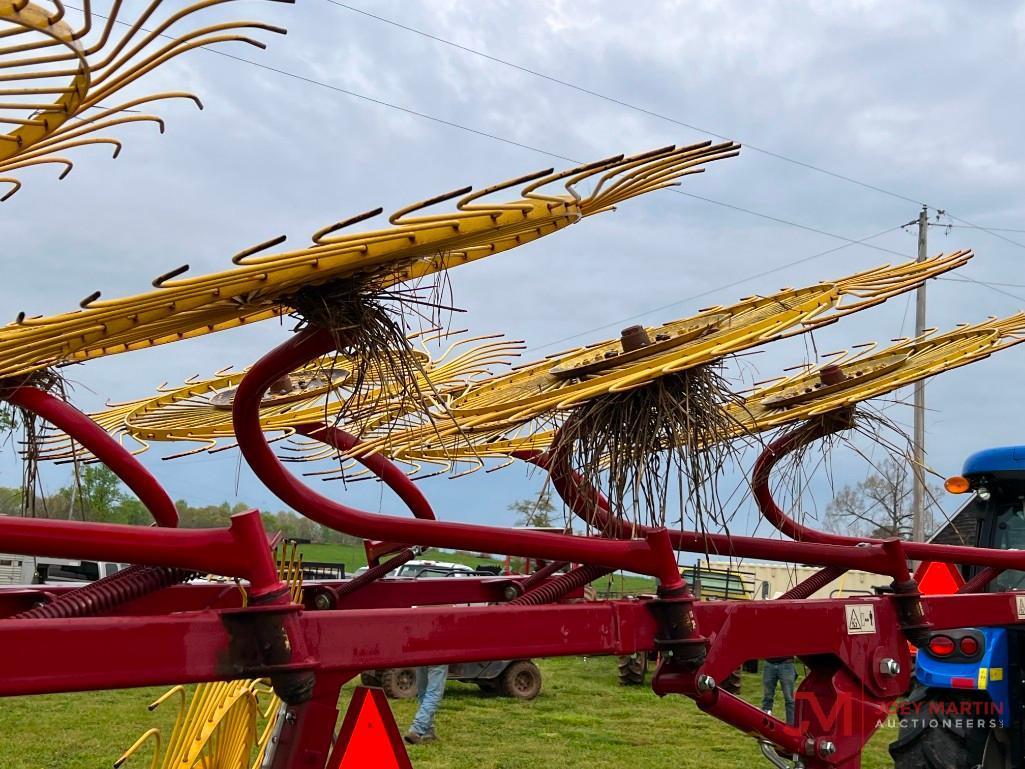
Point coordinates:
pixel 967 708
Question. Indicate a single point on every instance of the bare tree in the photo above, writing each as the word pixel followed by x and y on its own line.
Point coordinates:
pixel 535 513
pixel 880 505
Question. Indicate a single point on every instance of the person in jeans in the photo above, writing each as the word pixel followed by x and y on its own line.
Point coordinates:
pixel 430 688
pixel 781 670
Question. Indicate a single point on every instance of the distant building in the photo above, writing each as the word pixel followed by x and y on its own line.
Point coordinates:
pixel 960 529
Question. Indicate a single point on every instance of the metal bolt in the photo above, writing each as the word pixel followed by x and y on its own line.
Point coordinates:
pixel 290 717
pixel 705 683
pixel 826 748
pixel 322 601
pixel 510 592
pixel 889 667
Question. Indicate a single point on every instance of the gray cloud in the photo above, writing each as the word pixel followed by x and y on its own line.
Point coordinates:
pixel 921 98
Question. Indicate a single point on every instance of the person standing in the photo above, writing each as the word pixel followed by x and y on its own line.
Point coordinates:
pixel 779 670
pixel 430 688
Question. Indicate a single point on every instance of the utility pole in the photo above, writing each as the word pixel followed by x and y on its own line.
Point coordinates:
pixel 918 459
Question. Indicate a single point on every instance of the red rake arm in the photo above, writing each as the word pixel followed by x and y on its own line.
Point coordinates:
pixel 96 440
pixel 652 555
pixel 389 474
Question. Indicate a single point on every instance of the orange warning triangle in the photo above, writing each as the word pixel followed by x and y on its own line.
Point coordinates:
pixel 935 578
pixel 369 737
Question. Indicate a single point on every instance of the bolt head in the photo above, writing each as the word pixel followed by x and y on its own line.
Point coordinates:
pixel 510 592
pixel 889 667
pixel 705 683
pixel 826 748
pixel 322 601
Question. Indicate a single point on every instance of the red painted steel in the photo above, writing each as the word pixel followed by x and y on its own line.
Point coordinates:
pixel 384 594
pixel 593 508
pixel 919 551
pixel 308 730
pixel 119 652
pixel 651 555
pixel 96 440
pixel 387 471
pixel 242 550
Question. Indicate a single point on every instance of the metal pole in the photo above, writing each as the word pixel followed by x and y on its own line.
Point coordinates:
pixel 918 492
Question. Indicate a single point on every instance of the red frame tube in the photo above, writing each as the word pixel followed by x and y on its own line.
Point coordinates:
pixel 386 470
pixel 127 651
pixel 810 546
pixel 652 555
pixel 242 550
pixel 96 440
pixel 919 551
pixel 592 507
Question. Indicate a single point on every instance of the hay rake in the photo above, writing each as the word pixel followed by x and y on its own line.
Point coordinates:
pixel 62 78
pixel 150 625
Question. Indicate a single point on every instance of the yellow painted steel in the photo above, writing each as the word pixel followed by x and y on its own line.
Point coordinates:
pixel 217 727
pixel 59 78
pixel 199 411
pixel 868 373
pixel 415 246
pixel 548 386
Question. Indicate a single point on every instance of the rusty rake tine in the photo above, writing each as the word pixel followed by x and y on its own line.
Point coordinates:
pixel 319 236
pixel 529 190
pixel 396 218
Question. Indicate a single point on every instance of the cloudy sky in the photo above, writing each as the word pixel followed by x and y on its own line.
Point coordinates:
pixel 919 102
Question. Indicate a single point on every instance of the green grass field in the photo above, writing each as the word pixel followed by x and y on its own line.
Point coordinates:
pixel 582 720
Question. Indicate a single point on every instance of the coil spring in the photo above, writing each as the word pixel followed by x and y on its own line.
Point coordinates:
pixel 813 584
pixel 555 589
pixel 374 573
pixel 106 594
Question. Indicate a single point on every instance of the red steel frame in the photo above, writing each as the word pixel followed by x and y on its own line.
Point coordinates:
pixel 201 632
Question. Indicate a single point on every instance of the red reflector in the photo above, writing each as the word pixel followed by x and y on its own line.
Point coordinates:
pixel 969 646
pixel 962 683
pixel 941 646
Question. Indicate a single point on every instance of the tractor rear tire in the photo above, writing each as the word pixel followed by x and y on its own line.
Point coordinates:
pixel 399 683
pixel 521 680
pixel 370 678
pixel 928 741
pixel 633 668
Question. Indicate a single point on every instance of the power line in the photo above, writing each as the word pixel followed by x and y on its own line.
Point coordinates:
pixel 717 289
pixel 495 137
pixel 652 113
pixel 622 103
pixel 992 286
pixel 521 145
pixel 989 229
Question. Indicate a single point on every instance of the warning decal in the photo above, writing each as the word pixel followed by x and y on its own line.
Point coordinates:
pixel 1019 602
pixel 861 618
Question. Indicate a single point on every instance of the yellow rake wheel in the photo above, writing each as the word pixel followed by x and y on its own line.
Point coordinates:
pixel 217 727
pixel 58 79
pixel 563 382
pixel 199 411
pixel 864 373
pixel 415 246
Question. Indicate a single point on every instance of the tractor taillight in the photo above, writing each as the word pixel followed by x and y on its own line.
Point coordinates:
pixel 941 646
pixel 969 646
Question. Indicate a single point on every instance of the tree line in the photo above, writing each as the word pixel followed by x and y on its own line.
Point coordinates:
pixel 99 496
